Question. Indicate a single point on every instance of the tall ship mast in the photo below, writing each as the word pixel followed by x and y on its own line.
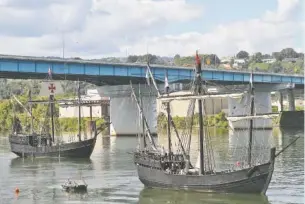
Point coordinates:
pixel 173 168
pixel 43 141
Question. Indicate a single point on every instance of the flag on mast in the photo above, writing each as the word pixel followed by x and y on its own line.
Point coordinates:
pixel 251 79
pixel 166 85
pixel 50 72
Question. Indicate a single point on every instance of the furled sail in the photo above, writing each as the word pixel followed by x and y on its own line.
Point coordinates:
pixel 265 116
pixel 188 97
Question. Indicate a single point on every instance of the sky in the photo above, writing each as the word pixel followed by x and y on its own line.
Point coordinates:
pixel 117 28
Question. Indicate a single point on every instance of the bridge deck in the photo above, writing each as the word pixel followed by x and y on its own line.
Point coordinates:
pixel 100 73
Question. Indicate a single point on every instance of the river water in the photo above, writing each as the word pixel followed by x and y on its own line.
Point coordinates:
pixel 112 178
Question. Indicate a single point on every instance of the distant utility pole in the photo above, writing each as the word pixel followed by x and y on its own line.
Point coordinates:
pixel 63 45
pixel 63 51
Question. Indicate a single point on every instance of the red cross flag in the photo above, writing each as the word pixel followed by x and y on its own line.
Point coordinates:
pixel 52 88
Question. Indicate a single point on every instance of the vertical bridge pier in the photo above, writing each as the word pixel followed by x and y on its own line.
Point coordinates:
pixel 288 99
pixel 124 114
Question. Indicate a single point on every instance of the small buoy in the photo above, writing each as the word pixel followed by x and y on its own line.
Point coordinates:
pixel 16 190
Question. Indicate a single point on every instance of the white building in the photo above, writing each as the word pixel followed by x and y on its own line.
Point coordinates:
pixel 239 61
pixel 97 111
pixel 290 59
pixel 269 61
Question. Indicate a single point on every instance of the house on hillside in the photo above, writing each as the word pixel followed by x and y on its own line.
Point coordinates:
pixel 239 61
pixel 269 61
pixel 225 60
pixel 290 60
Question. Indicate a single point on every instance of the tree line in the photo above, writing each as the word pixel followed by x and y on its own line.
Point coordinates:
pixel 254 61
pixel 279 56
pixel 22 87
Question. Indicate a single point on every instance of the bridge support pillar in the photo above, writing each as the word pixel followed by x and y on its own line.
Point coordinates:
pixel 124 114
pixel 291 99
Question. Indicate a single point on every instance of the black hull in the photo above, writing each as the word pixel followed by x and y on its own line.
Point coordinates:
pixel 79 189
pixel 82 149
pixel 249 180
pixel 154 178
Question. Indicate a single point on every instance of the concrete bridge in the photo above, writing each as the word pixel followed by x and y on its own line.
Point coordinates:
pixel 114 77
pixel 100 73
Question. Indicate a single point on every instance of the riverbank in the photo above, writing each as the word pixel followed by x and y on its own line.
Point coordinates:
pixel 218 120
pixel 9 109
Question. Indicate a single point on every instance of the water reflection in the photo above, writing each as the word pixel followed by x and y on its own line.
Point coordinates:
pixel 49 163
pixel 106 153
pixel 76 196
pixel 106 142
pixel 157 196
pixel 112 178
pixel 260 138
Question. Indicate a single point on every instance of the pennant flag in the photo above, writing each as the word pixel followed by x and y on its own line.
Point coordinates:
pixel 166 85
pixel 251 79
pixel 147 77
pixel 197 58
pixel 50 72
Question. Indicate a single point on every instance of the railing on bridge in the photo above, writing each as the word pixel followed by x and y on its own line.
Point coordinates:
pixel 99 72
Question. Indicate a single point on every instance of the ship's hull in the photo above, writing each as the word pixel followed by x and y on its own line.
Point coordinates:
pixel 82 149
pixel 251 180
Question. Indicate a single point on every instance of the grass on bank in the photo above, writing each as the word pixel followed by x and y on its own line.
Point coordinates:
pixel 219 120
pixel 39 111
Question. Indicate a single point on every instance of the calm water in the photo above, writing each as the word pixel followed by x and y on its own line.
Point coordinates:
pixel 112 178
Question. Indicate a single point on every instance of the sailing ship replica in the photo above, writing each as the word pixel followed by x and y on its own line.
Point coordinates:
pixel 173 169
pixel 42 143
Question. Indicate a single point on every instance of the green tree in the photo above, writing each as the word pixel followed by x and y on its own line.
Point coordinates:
pixel 177 59
pixel 301 55
pixel 266 56
pixel 257 57
pixel 132 58
pixel 276 67
pixel 242 55
pixel 278 56
pixel 289 53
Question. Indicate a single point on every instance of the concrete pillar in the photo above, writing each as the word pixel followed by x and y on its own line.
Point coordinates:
pixel 90 107
pixel 124 114
pixel 280 106
pixel 291 100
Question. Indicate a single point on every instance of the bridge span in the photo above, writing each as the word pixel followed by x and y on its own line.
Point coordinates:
pixel 101 73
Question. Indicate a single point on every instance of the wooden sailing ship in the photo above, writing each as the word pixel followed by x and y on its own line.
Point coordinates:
pixel 42 143
pixel 173 169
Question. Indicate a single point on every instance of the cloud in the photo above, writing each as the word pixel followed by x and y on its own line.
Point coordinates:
pixel 97 28
pixel 273 31
pixel 284 11
pixel 89 27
